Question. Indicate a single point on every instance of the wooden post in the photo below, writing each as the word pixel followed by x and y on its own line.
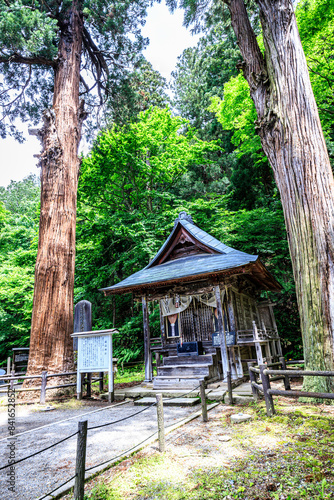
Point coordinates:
pixel 223 347
pixel 161 425
pixel 264 329
pixel 286 378
pixel 269 357
pixel 279 347
pixel 147 350
pixel 43 387
pixel 267 397
pixel 111 392
pixel 240 371
pixel 252 378
pixel 157 360
pixel 101 381
pixel 203 401
pixel 89 384
pixel 229 387
pixel 233 363
pixel 12 380
pixel 79 485
pixel 272 316
pixel 8 365
pixel 258 348
pixel 162 327
pixel 273 349
pixel 79 386
pixel 230 309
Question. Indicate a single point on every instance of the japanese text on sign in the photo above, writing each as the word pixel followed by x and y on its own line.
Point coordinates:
pixel 93 353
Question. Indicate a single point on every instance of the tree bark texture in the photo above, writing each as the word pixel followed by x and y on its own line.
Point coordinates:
pixel 51 346
pixel 291 135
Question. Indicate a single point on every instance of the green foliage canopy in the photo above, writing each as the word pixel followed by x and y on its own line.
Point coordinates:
pixel 30 33
pixel 236 111
pixel 19 212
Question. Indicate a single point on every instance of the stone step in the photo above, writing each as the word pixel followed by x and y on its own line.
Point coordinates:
pixel 161 382
pixel 237 399
pixel 168 402
pixel 188 360
pixel 182 370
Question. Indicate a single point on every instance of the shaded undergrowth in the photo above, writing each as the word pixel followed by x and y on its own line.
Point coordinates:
pixel 287 457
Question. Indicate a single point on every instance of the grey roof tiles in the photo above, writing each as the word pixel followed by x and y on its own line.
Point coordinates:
pixel 227 258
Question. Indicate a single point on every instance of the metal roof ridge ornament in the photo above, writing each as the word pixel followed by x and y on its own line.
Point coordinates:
pixel 183 216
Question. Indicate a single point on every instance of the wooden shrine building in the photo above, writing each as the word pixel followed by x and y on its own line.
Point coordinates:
pixel 211 315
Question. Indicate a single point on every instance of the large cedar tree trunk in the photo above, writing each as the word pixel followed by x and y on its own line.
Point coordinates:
pixel 292 138
pixel 51 347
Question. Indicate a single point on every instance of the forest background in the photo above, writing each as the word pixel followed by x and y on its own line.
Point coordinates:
pixel 154 157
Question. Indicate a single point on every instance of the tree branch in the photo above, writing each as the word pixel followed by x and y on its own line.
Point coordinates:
pixel 98 62
pixel 329 111
pixel 9 104
pixel 17 58
pixel 97 53
pixel 253 66
pixel 84 84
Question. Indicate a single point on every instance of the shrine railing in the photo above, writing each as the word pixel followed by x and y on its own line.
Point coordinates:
pixel 245 336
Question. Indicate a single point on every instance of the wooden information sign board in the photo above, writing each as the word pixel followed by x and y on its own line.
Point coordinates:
pixel 95 355
pixel 20 359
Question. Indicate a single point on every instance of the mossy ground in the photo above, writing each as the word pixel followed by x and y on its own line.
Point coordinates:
pixel 128 374
pixel 287 457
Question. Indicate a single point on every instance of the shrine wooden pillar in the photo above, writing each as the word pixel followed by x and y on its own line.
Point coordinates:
pixel 147 341
pixel 257 344
pixel 230 310
pixel 162 327
pixel 223 347
pixel 233 327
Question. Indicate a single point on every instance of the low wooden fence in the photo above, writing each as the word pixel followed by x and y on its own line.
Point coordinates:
pixel 44 380
pixel 14 379
pixel 267 375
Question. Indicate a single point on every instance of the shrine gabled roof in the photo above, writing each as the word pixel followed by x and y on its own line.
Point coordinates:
pixel 219 259
pixel 182 268
pixel 200 235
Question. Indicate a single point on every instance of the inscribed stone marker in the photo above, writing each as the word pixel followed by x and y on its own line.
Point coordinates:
pixel 82 319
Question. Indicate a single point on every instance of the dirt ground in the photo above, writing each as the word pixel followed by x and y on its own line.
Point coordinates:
pixel 119 428
pixel 287 457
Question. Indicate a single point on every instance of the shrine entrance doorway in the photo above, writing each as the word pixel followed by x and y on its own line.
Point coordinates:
pixel 197 322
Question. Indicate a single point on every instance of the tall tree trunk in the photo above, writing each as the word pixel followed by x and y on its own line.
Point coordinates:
pixel 51 347
pixel 291 135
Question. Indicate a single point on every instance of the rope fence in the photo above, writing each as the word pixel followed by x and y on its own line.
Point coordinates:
pixel 58 487
pixel 82 441
pixel 40 451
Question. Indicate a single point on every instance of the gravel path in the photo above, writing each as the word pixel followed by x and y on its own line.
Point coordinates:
pixel 44 472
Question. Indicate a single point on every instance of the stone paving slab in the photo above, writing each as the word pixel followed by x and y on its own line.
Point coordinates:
pixel 243 389
pixel 169 402
pixel 215 392
pixel 216 395
pixel 142 392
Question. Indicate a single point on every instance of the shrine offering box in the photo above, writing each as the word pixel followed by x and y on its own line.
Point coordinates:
pixel 190 349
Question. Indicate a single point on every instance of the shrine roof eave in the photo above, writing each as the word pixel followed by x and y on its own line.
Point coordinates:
pixel 192 269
